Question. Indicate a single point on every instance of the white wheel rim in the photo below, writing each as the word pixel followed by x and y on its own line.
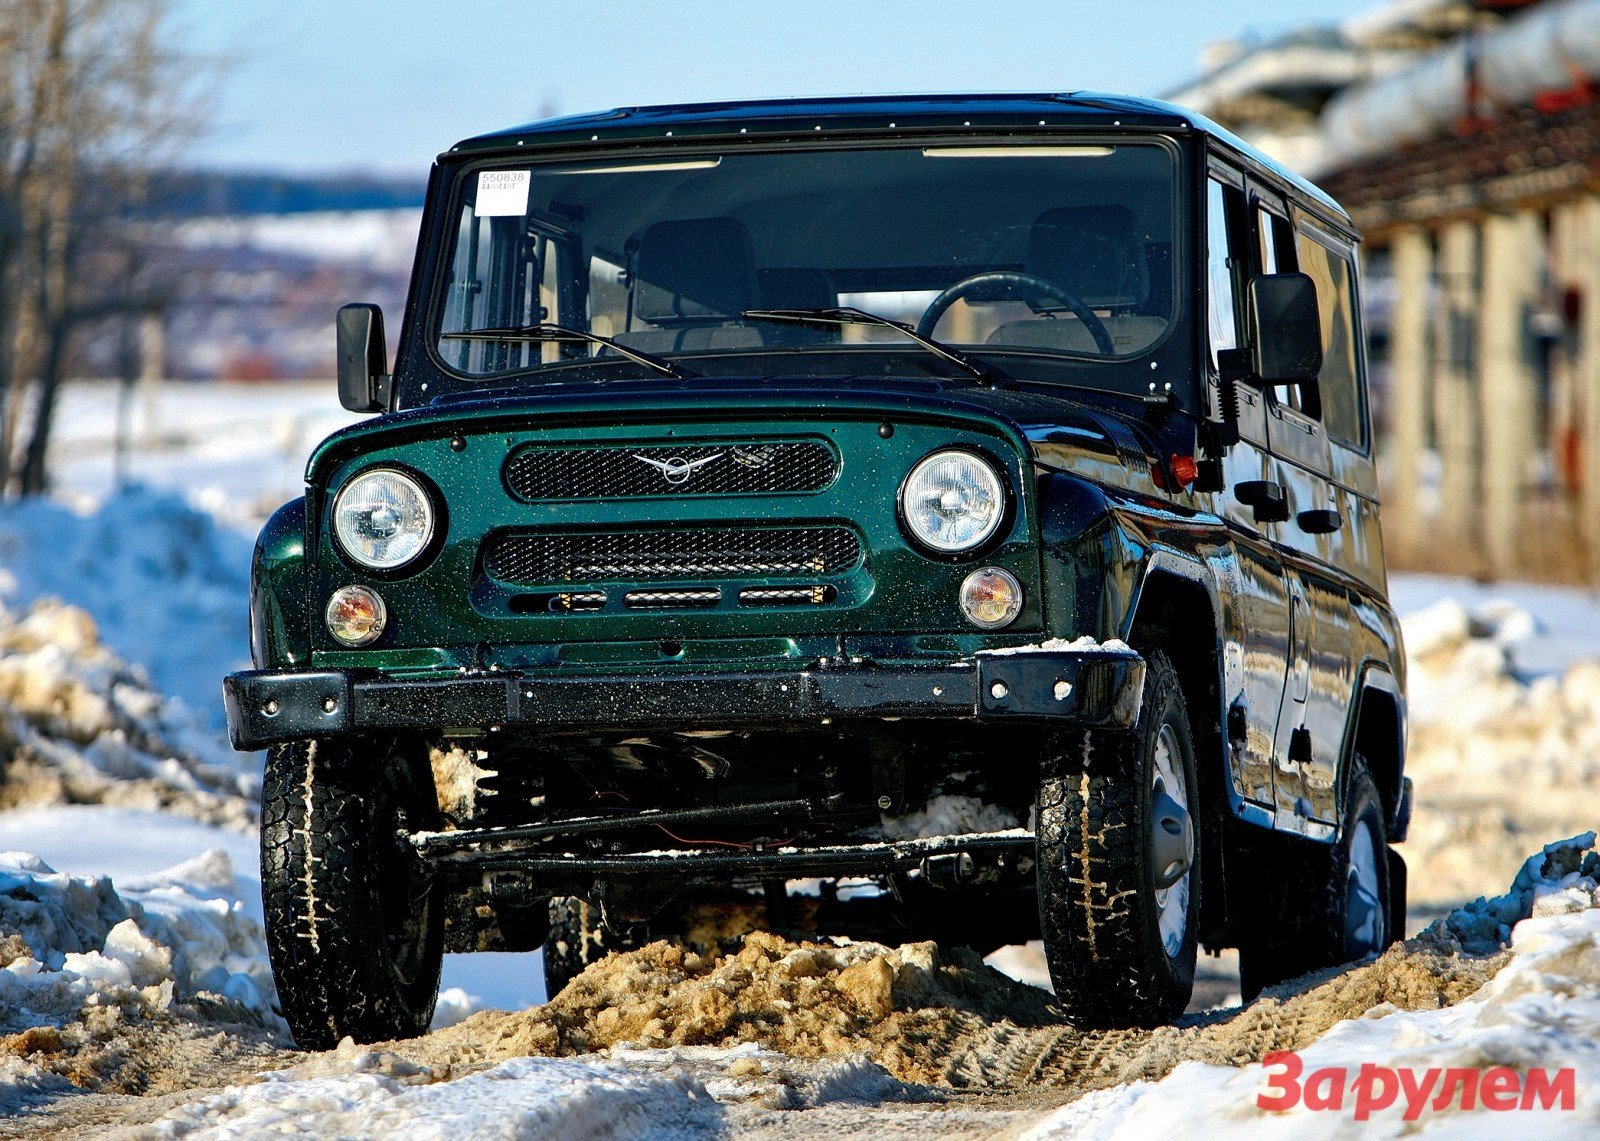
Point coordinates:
pixel 1363 902
pixel 1172 903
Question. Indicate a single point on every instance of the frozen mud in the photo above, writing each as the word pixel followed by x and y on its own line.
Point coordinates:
pixel 927 1018
pixel 857 1038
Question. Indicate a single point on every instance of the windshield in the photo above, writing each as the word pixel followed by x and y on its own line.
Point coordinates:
pixel 1048 248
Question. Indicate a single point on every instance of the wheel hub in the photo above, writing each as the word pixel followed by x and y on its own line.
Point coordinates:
pixel 1364 917
pixel 1171 839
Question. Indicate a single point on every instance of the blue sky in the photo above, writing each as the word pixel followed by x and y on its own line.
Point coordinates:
pixel 384 85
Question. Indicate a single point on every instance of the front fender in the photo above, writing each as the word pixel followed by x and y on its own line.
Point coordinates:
pixel 1095 560
pixel 279 631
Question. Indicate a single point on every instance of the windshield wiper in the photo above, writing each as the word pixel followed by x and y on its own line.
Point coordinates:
pixel 848 315
pixel 560 334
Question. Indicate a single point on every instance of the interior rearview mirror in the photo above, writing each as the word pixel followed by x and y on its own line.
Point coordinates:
pixel 1287 346
pixel 363 359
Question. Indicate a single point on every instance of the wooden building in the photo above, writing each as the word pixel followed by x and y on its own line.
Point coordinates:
pixel 1469 155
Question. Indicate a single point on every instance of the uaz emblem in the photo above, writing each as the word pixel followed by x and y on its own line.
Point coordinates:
pixel 676 469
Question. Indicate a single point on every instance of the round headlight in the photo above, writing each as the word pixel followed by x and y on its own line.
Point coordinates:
pixel 383 519
pixel 953 501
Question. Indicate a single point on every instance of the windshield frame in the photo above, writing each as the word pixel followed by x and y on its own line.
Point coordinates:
pixel 1168 356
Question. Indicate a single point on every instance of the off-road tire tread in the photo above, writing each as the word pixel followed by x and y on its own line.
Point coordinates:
pixel 1091 874
pixel 324 935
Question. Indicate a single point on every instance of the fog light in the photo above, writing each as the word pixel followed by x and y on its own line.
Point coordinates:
pixel 991 598
pixel 356 615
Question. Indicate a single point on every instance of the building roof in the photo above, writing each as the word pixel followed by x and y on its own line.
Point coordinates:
pixel 859 115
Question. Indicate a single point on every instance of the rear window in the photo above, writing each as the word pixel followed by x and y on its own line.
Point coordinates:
pixel 1339 386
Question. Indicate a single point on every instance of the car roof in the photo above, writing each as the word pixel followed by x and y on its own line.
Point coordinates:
pixel 871 113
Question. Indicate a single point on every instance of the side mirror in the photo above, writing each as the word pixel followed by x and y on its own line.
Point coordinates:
pixel 1287 345
pixel 363 359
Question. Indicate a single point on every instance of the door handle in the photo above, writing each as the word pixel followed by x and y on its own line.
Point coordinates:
pixel 1322 521
pixel 1266 496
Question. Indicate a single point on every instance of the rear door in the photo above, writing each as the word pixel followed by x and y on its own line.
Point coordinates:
pixel 1316 540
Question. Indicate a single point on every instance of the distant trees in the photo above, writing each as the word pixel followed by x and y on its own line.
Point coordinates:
pixel 93 99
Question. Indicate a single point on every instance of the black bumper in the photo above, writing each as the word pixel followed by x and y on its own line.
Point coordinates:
pixel 1091 687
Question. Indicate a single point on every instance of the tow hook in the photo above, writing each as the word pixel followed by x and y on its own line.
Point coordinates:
pixel 1171 838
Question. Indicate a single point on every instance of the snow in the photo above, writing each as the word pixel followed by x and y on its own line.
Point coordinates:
pixel 490 980
pixel 1565 619
pixel 128 844
pixel 82 725
pixel 235 452
pixel 181 933
pixel 1083 645
pixel 166 586
pixel 1024 962
pixel 1541 1011
pixel 1503 753
pixel 949 815
pixel 112 695
pixel 526 1097
pixel 377 239
pixel 686 1091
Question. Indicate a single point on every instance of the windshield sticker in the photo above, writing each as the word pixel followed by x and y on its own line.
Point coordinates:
pixel 502 193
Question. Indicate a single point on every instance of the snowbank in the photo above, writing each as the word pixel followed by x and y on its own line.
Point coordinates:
pixel 1541 1011
pixel 167 587
pixel 685 1092
pixel 1500 758
pixel 71 943
pixel 527 1097
pixel 79 725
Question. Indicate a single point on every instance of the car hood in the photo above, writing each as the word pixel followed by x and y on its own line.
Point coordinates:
pixel 1061 429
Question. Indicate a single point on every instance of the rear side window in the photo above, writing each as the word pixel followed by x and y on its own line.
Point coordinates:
pixel 1221 269
pixel 1339 383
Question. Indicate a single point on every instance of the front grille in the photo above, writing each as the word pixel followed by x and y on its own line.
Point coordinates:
pixel 787 596
pixel 538 472
pixel 635 556
pixel 671 599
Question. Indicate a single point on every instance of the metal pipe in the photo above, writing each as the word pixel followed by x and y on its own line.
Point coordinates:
pixel 1553 48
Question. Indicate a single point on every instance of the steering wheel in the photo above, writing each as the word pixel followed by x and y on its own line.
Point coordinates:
pixel 1010 281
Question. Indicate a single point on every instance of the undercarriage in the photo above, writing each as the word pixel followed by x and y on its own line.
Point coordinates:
pixel 905 815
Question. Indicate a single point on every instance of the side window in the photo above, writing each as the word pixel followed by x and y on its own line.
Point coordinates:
pixel 1276 243
pixel 1222 276
pixel 1339 383
pixel 1269 232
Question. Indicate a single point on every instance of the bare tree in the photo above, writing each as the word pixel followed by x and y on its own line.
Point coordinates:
pixel 92 99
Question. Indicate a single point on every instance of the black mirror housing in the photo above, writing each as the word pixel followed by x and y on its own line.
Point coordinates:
pixel 363 359
pixel 1287 344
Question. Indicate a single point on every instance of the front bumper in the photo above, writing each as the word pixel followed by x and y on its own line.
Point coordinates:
pixel 1097 686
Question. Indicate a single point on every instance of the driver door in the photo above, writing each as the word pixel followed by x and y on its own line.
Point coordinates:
pixel 1256 619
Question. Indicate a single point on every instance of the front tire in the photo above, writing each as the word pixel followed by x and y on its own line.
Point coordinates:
pixel 354 923
pixel 1118 864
